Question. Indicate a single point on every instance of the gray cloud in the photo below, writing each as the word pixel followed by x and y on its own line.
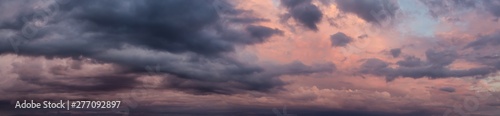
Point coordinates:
pixel 483 41
pixel 375 66
pixel 248 20
pixel 395 52
pixel 439 8
pixel 373 11
pixel 434 67
pixel 261 33
pixel 362 36
pixel 447 89
pixel 410 61
pixel 56 80
pixel 441 58
pixel 493 7
pixel 304 11
pixel 484 50
pixel 340 39
pixel 260 80
pixel 442 7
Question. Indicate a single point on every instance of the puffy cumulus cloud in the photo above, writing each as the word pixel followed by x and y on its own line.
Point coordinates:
pixel 303 11
pixel 373 11
pixel 395 52
pixel 340 39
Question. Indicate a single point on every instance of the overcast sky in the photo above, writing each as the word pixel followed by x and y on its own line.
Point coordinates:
pixel 247 57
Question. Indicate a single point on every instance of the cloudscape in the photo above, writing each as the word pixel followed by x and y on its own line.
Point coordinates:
pixel 252 57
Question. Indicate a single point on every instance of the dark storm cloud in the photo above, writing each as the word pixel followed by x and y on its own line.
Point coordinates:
pixel 174 26
pixel 10 12
pixel 98 83
pixel 255 80
pixel 5 104
pixel 304 11
pixel 434 67
pixel 188 39
pixel 373 11
pixel 340 39
pixel 395 52
pixel 59 82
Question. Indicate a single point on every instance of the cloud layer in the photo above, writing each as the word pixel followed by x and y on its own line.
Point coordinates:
pixel 218 57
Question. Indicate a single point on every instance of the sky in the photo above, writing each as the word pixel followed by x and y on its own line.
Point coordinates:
pixel 253 57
